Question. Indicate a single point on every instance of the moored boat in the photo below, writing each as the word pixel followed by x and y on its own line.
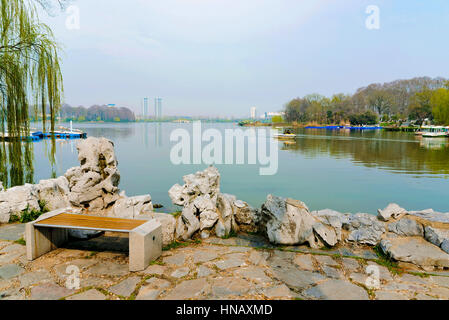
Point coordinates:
pixel 434 131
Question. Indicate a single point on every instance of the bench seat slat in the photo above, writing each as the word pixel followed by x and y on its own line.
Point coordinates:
pixel 86 222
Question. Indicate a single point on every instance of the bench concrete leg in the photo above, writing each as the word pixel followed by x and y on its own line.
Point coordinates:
pixel 42 240
pixel 145 245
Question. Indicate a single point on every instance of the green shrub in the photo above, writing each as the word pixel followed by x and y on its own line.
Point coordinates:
pixel 28 214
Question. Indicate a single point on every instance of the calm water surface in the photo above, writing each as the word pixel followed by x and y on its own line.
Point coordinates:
pixel 345 171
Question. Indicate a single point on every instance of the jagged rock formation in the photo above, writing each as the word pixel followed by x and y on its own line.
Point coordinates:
pixel 207 210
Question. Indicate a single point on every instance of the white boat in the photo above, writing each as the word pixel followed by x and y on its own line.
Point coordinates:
pixel 434 131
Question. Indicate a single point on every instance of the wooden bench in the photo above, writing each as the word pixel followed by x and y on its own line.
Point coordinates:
pixel 50 231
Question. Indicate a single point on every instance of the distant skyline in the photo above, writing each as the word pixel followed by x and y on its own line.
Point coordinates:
pixel 220 58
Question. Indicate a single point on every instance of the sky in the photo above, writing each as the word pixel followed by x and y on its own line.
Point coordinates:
pixel 219 58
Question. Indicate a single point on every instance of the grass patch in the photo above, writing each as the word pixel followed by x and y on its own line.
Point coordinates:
pixel 231 234
pixel 28 214
pixel 174 245
pixel 420 274
pixel 21 241
pixel 386 261
pixel 176 213
pixel 91 255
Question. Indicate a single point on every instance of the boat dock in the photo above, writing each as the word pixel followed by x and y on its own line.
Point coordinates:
pixel 62 133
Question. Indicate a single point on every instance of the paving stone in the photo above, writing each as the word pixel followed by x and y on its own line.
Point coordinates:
pixel 358 277
pixel 109 269
pixel 14 248
pixel 126 287
pixel 12 232
pixel 49 291
pixel 440 281
pixel 82 264
pixel 279 291
pixel 347 252
pixel 442 293
pixel 35 277
pixel 305 262
pixel 148 293
pixel 332 272
pixel 258 257
pixel 91 294
pixel 296 278
pixel 200 256
pixel 326 260
pixel 157 283
pixel 181 272
pixel 337 290
pixel 422 296
pixel 10 257
pixel 386 295
pixel 203 271
pixel 156 269
pixel 254 273
pixel 176 259
pixel 414 279
pixel 368 254
pixel 4 284
pixel 239 249
pixel 97 282
pixel 189 289
pixel 350 264
pixel 399 286
pixel 230 286
pixel 12 294
pixel 231 261
pixel 10 271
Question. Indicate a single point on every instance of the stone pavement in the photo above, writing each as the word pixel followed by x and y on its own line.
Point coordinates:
pixel 245 267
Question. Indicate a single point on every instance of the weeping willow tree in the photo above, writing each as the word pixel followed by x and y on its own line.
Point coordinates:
pixel 30 79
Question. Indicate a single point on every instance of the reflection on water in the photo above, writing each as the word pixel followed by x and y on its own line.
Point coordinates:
pixel 342 170
pixel 394 151
pixel 434 143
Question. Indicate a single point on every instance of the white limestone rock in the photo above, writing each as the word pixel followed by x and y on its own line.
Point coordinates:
pixel 131 207
pixel 187 224
pixel 54 193
pixel 288 221
pixel 415 250
pixel 364 228
pixel 94 185
pixel 392 211
pixel 439 237
pixel 17 199
pixel 406 227
pixel 246 217
pixel 205 182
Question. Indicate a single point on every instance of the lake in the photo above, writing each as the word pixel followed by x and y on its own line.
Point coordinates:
pixel 341 170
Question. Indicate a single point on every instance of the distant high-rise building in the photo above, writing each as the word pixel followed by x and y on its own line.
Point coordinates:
pixel 253 112
pixel 145 108
pixel 158 108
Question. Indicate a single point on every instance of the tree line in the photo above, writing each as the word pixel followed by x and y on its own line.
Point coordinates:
pixel 97 113
pixel 392 102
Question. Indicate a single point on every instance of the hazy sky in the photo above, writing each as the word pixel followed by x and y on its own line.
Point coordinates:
pixel 220 57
